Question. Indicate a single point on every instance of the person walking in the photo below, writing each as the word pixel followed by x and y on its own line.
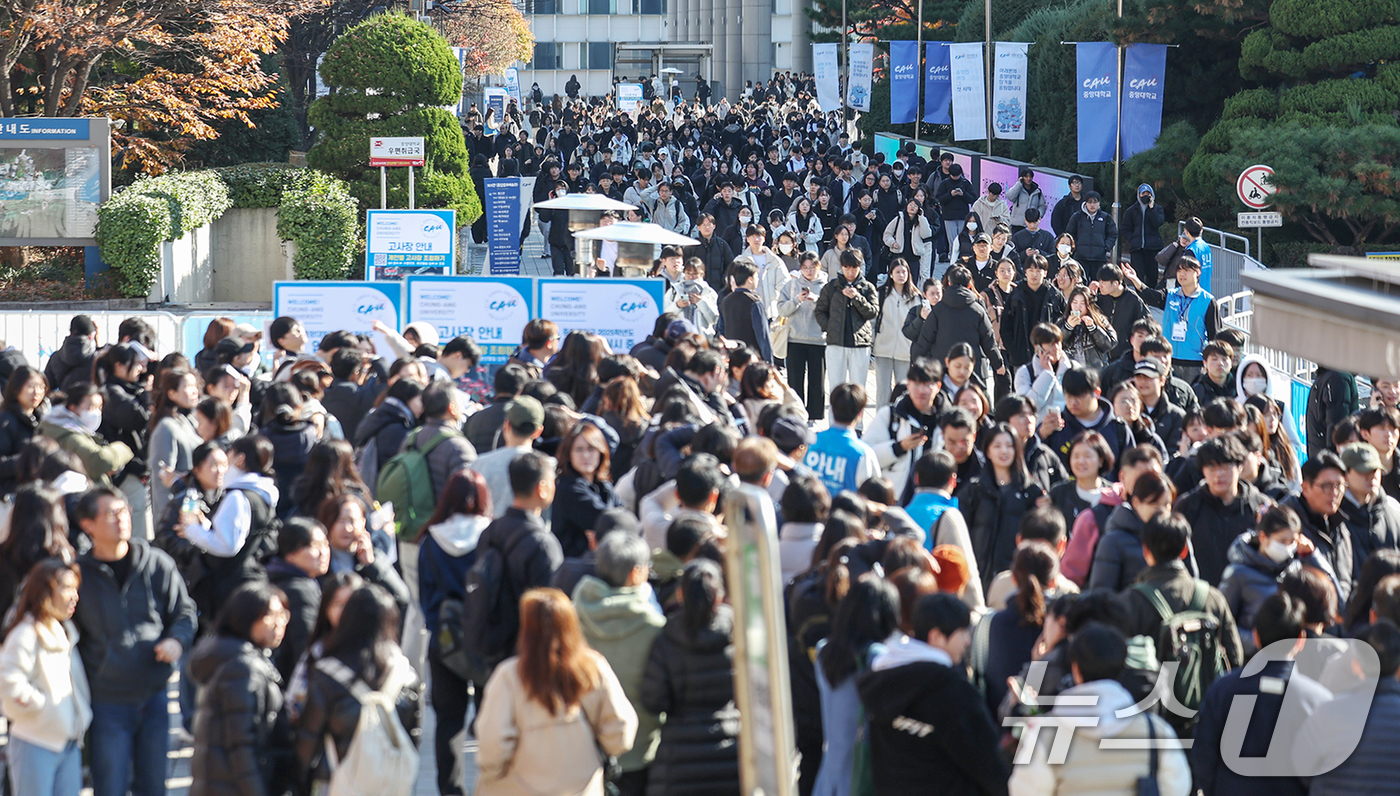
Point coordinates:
pixel 551 710
pixel 845 309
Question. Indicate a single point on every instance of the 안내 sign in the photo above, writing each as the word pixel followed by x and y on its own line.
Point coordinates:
pixel 325 307
pixel 409 242
pixel 492 309
pixel 623 311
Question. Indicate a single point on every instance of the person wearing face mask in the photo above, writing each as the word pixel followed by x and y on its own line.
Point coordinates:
pixel 1258 561
pixel 1139 233
pixel 967 235
pixel 74 427
pixel 735 236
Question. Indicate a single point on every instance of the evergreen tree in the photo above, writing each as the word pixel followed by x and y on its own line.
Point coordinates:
pixel 1322 115
pixel 391 75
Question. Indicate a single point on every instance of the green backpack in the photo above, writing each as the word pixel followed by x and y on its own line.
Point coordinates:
pixel 406 481
pixel 1191 638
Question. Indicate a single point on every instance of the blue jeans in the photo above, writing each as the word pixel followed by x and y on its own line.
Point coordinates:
pixel 129 747
pixel 36 771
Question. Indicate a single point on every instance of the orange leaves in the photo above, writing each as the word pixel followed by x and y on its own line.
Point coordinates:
pixel 495 32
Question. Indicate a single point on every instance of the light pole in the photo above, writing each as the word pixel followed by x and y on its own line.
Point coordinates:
pixel 919 59
pixel 987 73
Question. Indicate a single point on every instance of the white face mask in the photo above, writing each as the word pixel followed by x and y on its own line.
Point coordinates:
pixel 972 226
pixel 785 248
pixel 1278 552
pixel 90 420
pixel 1063 249
pixel 1255 385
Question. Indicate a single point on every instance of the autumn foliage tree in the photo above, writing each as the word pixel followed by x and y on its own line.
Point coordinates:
pixel 392 75
pixel 165 71
pixel 494 33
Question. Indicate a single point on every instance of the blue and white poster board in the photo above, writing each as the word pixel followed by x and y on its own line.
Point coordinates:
pixel 512 76
pixel 493 310
pixel 629 98
pixel 325 307
pixel 495 101
pixel 501 204
pixel 406 243
pixel 623 311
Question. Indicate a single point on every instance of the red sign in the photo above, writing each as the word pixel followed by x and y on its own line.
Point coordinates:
pixel 1252 188
pixel 396 151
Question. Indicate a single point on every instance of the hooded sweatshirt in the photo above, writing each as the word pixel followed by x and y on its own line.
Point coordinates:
pixel 621 625
pixel 1090 769
pixel 224 534
pixel 448 551
pixel 928 724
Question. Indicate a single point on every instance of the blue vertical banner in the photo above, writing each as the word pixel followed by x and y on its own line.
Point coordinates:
pixel 938 84
pixel 1097 106
pixel 502 207
pixel 1144 77
pixel 904 81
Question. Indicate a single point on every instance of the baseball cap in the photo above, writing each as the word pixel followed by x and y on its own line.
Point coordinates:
pixel 789 434
pixel 1361 457
pixel 232 346
pixel 525 412
pixel 1150 366
pixel 247 330
pixel 982 237
pixel 678 329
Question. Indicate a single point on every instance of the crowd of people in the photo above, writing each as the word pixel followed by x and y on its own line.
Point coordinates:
pixel 1047 494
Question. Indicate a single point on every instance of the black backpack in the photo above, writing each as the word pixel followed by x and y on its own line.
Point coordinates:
pixel 490 620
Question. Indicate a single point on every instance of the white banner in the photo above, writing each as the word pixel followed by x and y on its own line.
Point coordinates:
pixel 969 92
pixel 622 311
pixel 1012 68
pixel 629 98
pixel 828 76
pixel 862 56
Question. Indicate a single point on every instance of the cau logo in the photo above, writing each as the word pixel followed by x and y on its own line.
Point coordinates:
pixel 631 303
pixel 502 304
pixel 371 304
pixel 1143 82
pixel 1097 82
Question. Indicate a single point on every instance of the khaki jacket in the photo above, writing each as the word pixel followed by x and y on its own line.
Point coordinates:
pixel 524 749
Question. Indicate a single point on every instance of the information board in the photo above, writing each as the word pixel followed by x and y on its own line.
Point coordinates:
pixel 54 173
pixel 623 311
pixel 405 243
pixel 325 307
pixel 501 204
pixel 493 310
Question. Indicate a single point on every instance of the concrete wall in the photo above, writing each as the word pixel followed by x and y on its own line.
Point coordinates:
pixel 187 270
pixel 247 256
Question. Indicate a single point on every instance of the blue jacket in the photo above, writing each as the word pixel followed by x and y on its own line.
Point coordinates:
pixel 1201 250
pixel 1207 764
pixel 927 509
pixel 841 460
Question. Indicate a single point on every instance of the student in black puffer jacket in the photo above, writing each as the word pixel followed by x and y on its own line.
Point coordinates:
pixel 292 439
pixel 364 644
pixel 19 419
pixel 241 737
pixel 690 677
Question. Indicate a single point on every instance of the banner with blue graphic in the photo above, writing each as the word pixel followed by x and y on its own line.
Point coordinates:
pixel 325 307
pixel 623 311
pixel 938 84
pixel 1144 78
pixel 501 204
pixel 1097 106
pixel 904 81
pixel 402 243
pixel 493 310
pixel 1010 73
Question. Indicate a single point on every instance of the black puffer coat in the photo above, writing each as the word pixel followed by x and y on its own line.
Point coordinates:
pixel 291 445
pixel 691 680
pixel 241 738
pixel 16 428
pixel 994 518
pixel 126 416
pixel 387 424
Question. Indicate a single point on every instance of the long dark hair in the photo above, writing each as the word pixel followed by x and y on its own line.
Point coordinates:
pixel 575 370
pixel 364 639
pixel 18 379
pixel 330 586
pixel 702 586
pixel 104 369
pixel 38 529
pixel 1379 565
pixel 868 613
pixel 1018 464
pixel 257 454
pixel 330 471
pixel 161 405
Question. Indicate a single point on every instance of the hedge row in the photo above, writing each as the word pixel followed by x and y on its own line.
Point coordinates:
pixel 314 210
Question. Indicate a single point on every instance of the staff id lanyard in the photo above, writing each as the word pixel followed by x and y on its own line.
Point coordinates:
pixel 1179 328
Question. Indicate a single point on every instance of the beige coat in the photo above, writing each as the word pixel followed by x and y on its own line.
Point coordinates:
pixel 894 235
pixel 43 687
pixel 525 750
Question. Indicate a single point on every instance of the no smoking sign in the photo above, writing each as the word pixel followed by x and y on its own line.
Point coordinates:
pixel 1253 189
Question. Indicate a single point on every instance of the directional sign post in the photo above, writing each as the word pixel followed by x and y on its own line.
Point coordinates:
pixel 385 152
pixel 1256 190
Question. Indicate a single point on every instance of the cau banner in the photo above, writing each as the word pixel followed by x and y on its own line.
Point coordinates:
pixel 1010 72
pixel 1144 72
pixel 1097 105
pixel 938 85
pixel 904 81
pixel 827 72
pixel 862 55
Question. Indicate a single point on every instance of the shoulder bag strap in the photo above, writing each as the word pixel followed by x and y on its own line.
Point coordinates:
pixel 1199 596
pixel 1158 600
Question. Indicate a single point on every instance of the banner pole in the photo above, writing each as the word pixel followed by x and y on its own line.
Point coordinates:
pixel 987 74
pixel 919 59
pixel 383 188
pixel 1118 143
pixel 410 189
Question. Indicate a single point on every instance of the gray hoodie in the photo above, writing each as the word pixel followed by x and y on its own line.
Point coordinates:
pixel 805 328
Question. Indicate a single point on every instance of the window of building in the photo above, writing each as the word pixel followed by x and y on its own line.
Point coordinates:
pixel 542 6
pixel 650 6
pixel 548 55
pixel 598 54
pixel 602 6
